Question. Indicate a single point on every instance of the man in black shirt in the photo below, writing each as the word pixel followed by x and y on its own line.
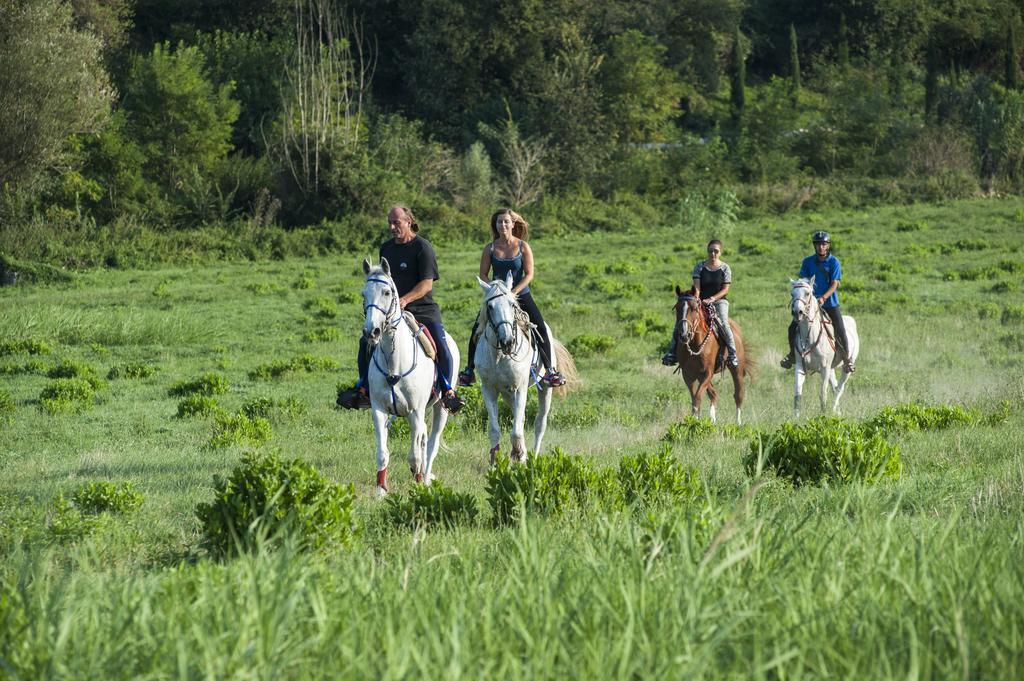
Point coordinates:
pixel 414 270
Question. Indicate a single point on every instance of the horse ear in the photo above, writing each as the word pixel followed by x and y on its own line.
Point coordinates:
pixel 483 284
pixel 366 266
pixel 679 291
pixel 386 266
pixel 811 281
pixel 508 280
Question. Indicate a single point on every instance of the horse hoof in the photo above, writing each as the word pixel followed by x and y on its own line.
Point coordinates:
pixel 494 454
pixel 382 492
pixel 382 482
pixel 419 478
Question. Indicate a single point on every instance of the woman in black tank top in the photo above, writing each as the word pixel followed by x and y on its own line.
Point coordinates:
pixel 510 253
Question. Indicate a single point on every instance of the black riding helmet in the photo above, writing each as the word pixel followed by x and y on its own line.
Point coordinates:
pixel 821 237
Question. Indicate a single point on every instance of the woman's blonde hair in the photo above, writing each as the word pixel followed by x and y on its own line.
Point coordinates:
pixel 408 213
pixel 520 227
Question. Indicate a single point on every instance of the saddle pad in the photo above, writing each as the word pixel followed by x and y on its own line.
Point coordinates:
pixel 421 333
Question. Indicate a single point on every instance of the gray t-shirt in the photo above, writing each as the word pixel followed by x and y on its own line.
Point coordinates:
pixel 712 280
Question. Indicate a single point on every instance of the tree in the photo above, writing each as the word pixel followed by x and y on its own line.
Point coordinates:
pixel 641 94
pixel 737 80
pixel 1012 77
pixel 844 44
pixel 176 114
pixel 46 94
pixel 794 63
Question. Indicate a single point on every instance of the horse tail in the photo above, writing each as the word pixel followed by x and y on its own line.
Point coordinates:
pixel 567 365
pixel 750 365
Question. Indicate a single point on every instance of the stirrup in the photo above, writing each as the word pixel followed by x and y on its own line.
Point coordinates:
pixel 453 402
pixel 553 379
pixel 848 366
pixel 467 377
pixel 354 398
pixel 669 359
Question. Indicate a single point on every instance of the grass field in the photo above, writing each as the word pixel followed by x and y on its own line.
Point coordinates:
pixel 920 577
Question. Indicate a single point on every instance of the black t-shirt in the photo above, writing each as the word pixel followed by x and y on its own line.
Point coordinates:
pixel 410 264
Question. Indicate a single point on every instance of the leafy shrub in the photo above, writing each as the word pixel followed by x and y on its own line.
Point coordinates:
pixel 908 226
pixel 273 410
pixel 690 428
pixel 239 429
pixel 131 370
pixel 548 485
pixel 588 344
pixel 30 367
pixel 905 418
pixel 67 523
pixel 198 405
pixel 67 395
pixel 106 497
pixel 307 363
pixel 208 384
pixel 30 346
pixel 432 506
pixel 616 288
pixel 1012 314
pixel 622 268
pixel 751 246
pixel 304 282
pixel 657 478
pixel 69 368
pixel 6 406
pixel 268 497
pixel 322 308
pixel 825 448
pixel 989 310
pixel 644 324
pixel 326 334
pixel 347 297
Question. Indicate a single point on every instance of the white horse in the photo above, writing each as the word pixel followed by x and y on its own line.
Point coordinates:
pixel 815 350
pixel 505 361
pixel 401 376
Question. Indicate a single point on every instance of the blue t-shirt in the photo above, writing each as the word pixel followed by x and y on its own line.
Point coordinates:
pixel 824 272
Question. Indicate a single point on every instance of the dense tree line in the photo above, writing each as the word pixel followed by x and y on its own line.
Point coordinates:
pixel 188 113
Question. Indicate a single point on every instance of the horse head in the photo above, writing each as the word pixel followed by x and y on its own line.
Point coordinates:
pixel 687 313
pixel 380 300
pixel 803 303
pixel 501 311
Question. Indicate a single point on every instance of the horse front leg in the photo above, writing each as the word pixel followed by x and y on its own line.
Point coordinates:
pixel 519 424
pixel 713 398
pixel 490 396
pixel 434 443
pixel 798 387
pixel 380 427
pixel 540 424
pixel 418 445
pixel 828 378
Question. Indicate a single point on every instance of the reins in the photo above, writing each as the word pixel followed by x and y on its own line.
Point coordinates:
pixel 516 310
pixel 812 319
pixel 689 337
pixel 390 327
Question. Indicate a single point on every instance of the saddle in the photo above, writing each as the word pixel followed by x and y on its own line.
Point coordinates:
pixel 420 332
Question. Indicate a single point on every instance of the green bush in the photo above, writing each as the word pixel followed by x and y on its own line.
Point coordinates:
pixel 588 344
pixel 825 448
pixel 30 367
pixel 326 334
pixel 69 368
pixel 67 395
pixel 274 410
pixel 6 406
pixel 131 370
pixel 208 384
pixel 106 497
pixel 308 363
pixel 690 428
pixel 66 522
pixel 30 346
pixel 198 405
pixel 321 308
pixel 304 282
pixel 432 505
pixel 239 429
pixel 657 478
pixel 905 418
pixel 548 485
pixel 1012 314
pixel 267 497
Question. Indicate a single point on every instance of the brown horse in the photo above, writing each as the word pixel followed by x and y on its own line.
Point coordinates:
pixel 696 348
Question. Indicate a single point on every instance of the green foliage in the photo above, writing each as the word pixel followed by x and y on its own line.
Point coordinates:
pixel 645 324
pixel 197 404
pixel 106 497
pixel 825 448
pixel 30 367
pixel 307 363
pixel 712 214
pixel 6 407
pixel 689 429
pixel 587 344
pixel 238 429
pixel 67 523
pixel 549 485
pixel 641 93
pixel 209 383
pixel 31 346
pixel 327 334
pixel 273 410
pixel 905 418
pixel 67 395
pixel 650 479
pixel 321 308
pixel 432 505
pixel 266 498
pixel 69 368
pixel 131 370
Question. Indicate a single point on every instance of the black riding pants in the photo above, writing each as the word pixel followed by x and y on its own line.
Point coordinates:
pixel 837 326
pixel 530 307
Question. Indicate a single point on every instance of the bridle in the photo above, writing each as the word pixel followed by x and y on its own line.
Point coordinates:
pixel 683 330
pixel 813 317
pixel 390 312
pixel 496 325
pixel 392 318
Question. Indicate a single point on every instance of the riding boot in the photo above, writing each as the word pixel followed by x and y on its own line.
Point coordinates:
pixel 730 344
pixel 787 361
pixel 669 359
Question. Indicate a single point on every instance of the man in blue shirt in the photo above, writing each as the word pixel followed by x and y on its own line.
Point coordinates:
pixel 827 272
